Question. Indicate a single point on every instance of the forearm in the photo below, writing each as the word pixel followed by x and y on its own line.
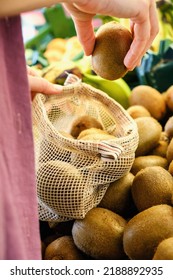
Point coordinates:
pixel 15 7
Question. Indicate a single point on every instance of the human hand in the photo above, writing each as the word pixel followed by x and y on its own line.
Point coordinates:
pixel 143 23
pixel 41 85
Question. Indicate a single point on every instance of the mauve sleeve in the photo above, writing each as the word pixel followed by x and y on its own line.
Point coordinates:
pixel 19 223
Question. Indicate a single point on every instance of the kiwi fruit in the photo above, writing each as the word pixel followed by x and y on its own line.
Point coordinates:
pixel 91 131
pixel 164 250
pixel 57 183
pixel 95 134
pixel 144 232
pixel 146 161
pixel 118 196
pixel 151 186
pixel 169 153
pixel 149 130
pixel 169 98
pixel 63 248
pixel 160 149
pixel 150 98
pixel 100 234
pixel 170 168
pixel 164 137
pixel 168 128
pixel 137 111
pixel 50 150
pixel 98 137
pixel 112 43
pixel 82 123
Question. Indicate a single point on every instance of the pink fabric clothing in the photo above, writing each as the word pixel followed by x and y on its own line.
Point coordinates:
pixel 19 224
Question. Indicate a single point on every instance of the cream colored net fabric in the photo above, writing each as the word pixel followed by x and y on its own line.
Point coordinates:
pixel 73 175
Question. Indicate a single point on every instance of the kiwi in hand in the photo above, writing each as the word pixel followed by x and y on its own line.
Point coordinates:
pixel 113 41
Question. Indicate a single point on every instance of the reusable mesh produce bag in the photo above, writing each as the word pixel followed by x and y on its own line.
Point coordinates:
pixel 73 175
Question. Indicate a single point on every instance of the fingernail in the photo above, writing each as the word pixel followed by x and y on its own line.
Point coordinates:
pixel 128 64
pixel 58 87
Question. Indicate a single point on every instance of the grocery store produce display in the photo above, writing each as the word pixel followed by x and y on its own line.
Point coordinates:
pixel 133 219
pixel 142 197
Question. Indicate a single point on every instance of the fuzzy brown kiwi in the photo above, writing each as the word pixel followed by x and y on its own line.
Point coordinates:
pixel 112 43
pixel 63 248
pixel 170 168
pixel 169 153
pixel 169 98
pixel 152 186
pixel 95 134
pixel 160 149
pixel 91 131
pixel 146 230
pixel 56 182
pixel 164 250
pixel 98 137
pixel 168 128
pixel 149 130
pixel 137 111
pixel 82 123
pixel 149 160
pixel 118 196
pixel 162 145
pixel 150 98
pixel 100 234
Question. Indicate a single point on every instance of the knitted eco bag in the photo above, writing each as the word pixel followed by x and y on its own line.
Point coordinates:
pixel 73 175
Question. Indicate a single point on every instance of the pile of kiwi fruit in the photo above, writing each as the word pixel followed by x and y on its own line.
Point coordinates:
pixel 134 219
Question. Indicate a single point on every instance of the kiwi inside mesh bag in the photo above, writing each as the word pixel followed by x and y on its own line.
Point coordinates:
pixel 74 174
